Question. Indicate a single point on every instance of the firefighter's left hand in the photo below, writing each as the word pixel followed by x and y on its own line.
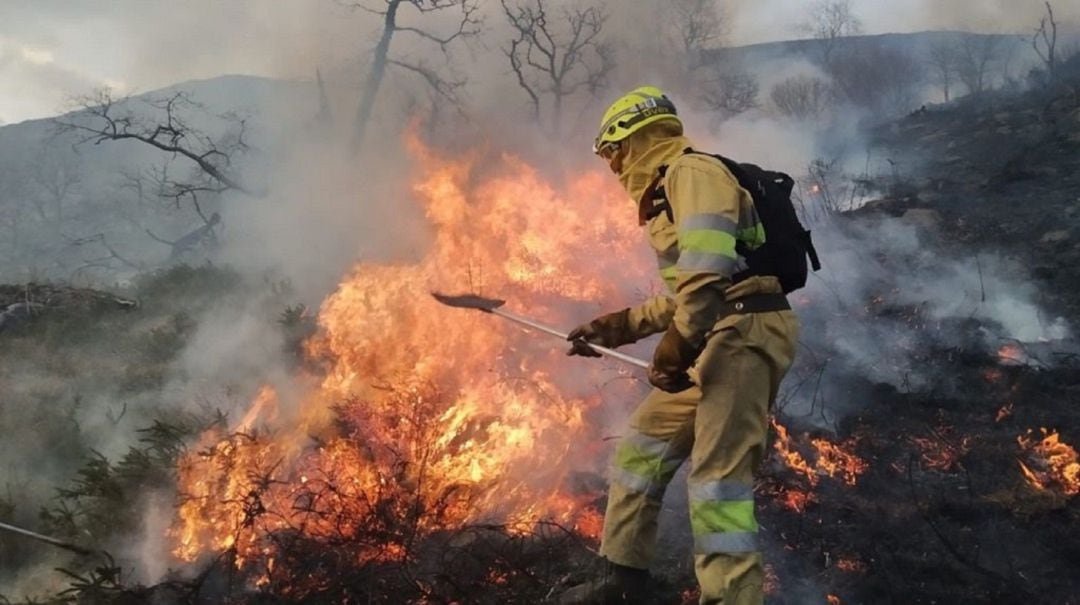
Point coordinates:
pixel 673 357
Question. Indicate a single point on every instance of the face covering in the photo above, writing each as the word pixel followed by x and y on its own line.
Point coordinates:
pixel 644 154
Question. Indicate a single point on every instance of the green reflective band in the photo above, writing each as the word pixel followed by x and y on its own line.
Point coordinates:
pixel 709 241
pixel 639 461
pixel 707 517
pixel 652 488
pixel 670 276
pixel 753 236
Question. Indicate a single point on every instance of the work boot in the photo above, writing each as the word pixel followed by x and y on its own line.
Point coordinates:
pixel 616 585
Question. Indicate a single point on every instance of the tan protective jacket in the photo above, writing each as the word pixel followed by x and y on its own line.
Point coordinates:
pixel 695 252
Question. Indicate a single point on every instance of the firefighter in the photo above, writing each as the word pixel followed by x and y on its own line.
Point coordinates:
pixel 728 338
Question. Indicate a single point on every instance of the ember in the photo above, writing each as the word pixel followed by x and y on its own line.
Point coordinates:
pixel 1004 412
pixel 1011 355
pixel 941 451
pixel 1052 464
pixel 851 565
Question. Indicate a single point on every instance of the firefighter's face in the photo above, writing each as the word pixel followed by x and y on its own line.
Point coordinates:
pixel 612 153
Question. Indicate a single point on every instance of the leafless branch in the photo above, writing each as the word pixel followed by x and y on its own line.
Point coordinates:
pixel 446 89
pixel 730 91
pixel 698 26
pixel 468 26
pixel 828 21
pixel 557 59
pixel 1047 36
pixel 103 118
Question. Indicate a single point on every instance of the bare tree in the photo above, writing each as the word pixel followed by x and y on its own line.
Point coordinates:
pixel 169 129
pixel 55 179
pixel 1045 42
pixel 944 61
pixel 801 97
pixel 977 57
pixel 468 25
pixel 13 204
pixel 557 58
pixel 828 21
pixel 730 91
pixel 876 77
pixel 698 25
pixel 200 236
pixel 324 119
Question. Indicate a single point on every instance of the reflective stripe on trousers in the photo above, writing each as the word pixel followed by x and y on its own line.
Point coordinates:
pixel 722 517
pixel 645 464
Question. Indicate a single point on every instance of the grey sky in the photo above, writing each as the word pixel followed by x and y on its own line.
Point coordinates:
pixel 53 49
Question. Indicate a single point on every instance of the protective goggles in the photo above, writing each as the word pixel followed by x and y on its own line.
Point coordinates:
pixel 607 150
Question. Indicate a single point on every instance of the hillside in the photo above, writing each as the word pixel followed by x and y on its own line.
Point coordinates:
pixel 71 210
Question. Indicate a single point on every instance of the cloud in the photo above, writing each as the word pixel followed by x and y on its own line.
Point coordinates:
pixel 40 82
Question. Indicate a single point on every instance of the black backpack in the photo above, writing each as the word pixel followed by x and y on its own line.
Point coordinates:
pixel 787 244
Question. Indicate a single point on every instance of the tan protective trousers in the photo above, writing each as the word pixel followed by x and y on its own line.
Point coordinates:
pixel 722 427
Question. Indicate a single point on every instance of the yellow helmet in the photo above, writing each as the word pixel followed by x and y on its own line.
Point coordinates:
pixel 637 108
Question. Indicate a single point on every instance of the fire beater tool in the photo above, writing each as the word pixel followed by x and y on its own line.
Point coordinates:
pixel 46 539
pixel 491 305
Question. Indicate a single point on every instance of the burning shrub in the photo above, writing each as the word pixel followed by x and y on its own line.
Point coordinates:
pixel 417 424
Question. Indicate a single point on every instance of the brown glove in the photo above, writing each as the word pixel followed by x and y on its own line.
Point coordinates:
pixel 673 357
pixel 611 330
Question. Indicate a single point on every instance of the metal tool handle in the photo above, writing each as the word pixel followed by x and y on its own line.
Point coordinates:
pixel 46 539
pixel 623 357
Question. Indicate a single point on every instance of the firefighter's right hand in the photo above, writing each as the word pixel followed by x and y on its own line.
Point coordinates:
pixel 611 330
pixel 579 339
pixel 581 347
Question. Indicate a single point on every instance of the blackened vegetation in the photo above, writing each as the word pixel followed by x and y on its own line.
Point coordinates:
pixel 999 171
pixel 473 564
pixel 943 514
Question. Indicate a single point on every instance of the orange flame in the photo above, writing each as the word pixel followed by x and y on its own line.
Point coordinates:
pixel 425 416
pixel 791 457
pixel 837 462
pixel 1052 464
pixel 832 460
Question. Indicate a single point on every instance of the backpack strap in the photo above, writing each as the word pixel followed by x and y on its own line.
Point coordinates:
pixel 648 208
pixel 815 263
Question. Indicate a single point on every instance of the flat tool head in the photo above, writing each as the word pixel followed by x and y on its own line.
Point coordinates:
pixel 469 301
